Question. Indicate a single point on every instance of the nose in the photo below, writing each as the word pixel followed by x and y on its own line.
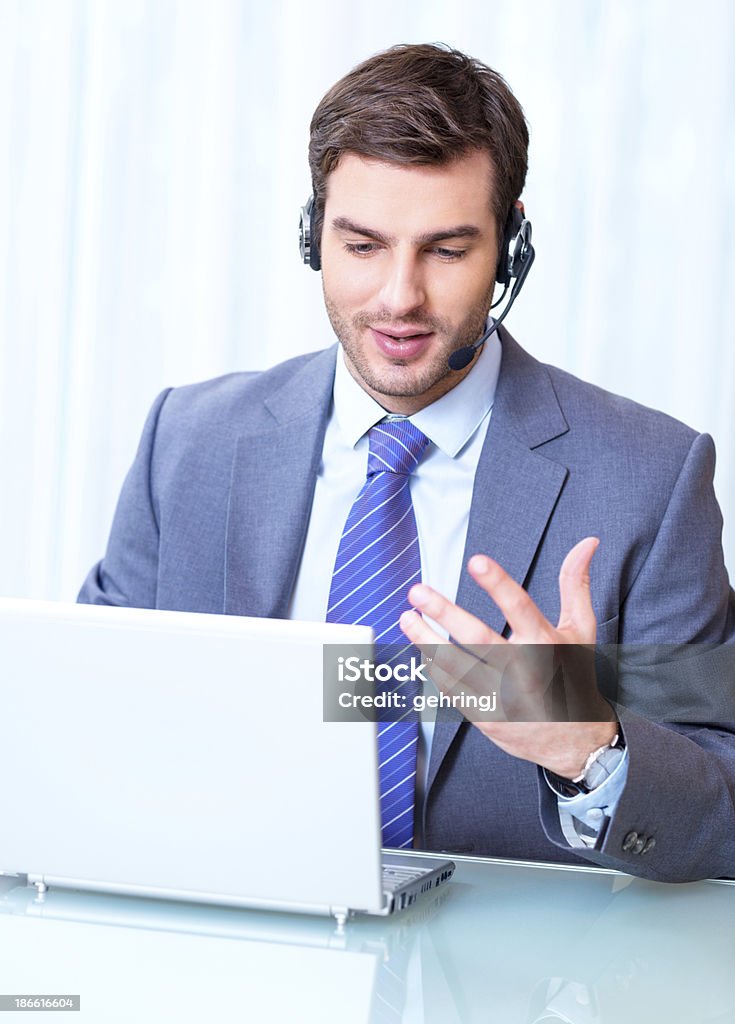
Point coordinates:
pixel 403 289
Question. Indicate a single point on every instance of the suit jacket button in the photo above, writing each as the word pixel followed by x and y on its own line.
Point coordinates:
pixel 650 843
pixel 630 840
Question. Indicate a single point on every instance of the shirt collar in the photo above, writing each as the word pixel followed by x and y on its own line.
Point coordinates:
pixel 449 422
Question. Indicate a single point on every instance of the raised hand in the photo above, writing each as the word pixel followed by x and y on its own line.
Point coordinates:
pixel 549 710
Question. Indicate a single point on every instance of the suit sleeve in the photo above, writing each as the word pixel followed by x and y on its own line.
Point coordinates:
pixel 128 573
pixel 675 820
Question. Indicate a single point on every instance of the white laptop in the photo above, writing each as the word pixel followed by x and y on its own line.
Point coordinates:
pixel 185 756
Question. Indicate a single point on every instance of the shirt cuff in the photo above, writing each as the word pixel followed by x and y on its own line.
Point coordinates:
pixel 584 816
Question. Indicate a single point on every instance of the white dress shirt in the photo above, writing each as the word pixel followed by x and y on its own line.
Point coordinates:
pixel 441 486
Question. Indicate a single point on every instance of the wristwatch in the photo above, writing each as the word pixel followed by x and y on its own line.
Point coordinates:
pixel 598 767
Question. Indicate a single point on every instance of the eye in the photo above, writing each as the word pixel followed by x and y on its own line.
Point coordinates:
pixel 360 248
pixel 449 255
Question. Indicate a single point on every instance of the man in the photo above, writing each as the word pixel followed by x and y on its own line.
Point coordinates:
pixel 249 495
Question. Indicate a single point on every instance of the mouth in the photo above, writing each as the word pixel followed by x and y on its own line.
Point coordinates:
pixel 402 342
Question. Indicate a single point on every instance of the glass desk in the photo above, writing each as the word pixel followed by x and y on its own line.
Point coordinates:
pixel 504 942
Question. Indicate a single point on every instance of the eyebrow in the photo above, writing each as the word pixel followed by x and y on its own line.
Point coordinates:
pixel 443 235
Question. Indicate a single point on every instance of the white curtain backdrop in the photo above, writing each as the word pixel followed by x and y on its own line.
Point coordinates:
pixel 153 164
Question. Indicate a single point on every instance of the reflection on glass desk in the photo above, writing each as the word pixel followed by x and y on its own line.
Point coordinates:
pixel 503 942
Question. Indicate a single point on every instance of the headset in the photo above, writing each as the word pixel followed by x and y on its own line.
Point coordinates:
pixel 516 257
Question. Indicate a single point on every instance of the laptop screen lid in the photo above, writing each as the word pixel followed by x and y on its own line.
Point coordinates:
pixel 183 755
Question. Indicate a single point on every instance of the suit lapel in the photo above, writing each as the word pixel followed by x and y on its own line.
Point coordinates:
pixel 515 492
pixel 273 478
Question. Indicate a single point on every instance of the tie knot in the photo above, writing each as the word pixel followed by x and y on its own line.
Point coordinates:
pixel 396 446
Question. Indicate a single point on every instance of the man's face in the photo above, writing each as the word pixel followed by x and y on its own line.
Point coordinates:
pixel 408 265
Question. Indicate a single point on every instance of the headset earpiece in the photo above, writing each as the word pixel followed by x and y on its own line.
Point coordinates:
pixel 308 243
pixel 516 258
pixel 515 246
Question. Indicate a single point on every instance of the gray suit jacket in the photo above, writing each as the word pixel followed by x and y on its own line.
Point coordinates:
pixel 213 517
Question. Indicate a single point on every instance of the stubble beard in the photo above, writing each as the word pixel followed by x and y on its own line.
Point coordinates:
pixel 398 379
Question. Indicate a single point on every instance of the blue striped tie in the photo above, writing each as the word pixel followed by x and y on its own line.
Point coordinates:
pixel 377 562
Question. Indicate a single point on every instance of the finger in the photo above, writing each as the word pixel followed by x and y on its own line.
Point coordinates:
pixel 459 675
pixel 448 662
pixel 470 682
pixel 522 615
pixel 466 629
pixel 419 632
pixel 577 616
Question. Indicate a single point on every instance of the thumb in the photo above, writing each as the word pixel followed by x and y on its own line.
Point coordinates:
pixel 577 615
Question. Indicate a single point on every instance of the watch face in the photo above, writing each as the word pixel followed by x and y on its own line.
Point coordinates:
pixel 602 767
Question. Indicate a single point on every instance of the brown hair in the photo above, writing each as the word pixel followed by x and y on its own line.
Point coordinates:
pixel 421 104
